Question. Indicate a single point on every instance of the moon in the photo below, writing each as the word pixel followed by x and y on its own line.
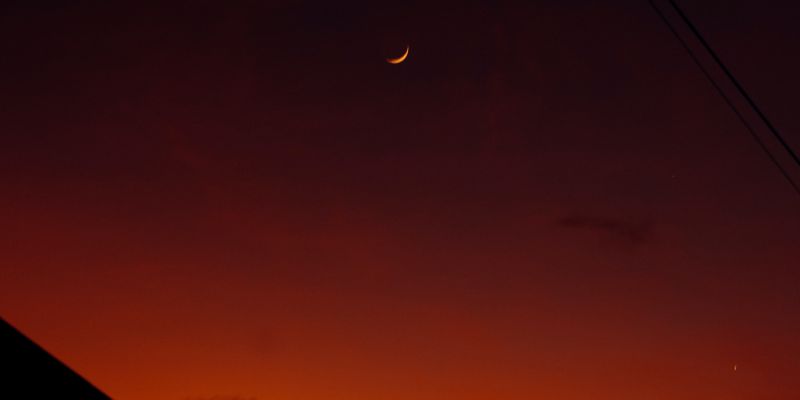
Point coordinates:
pixel 400 59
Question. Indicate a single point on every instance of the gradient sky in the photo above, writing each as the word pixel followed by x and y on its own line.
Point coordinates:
pixel 547 200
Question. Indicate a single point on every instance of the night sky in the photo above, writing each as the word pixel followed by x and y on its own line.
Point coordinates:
pixel 546 200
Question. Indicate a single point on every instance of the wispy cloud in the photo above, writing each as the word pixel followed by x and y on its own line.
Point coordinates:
pixel 634 231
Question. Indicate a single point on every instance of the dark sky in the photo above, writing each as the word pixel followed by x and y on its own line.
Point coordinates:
pixel 546 200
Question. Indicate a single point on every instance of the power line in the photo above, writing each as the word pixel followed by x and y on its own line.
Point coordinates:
pixel 736 83
pixel 725 97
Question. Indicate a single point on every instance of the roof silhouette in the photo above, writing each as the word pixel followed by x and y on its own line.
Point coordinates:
pixel 27 371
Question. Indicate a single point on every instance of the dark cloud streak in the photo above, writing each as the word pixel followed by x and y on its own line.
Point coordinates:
pixel 637 232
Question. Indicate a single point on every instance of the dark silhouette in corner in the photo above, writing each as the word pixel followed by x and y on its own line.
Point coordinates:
pixel 29 372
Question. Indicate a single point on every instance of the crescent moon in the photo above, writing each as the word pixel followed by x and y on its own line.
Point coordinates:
pixel 400 59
